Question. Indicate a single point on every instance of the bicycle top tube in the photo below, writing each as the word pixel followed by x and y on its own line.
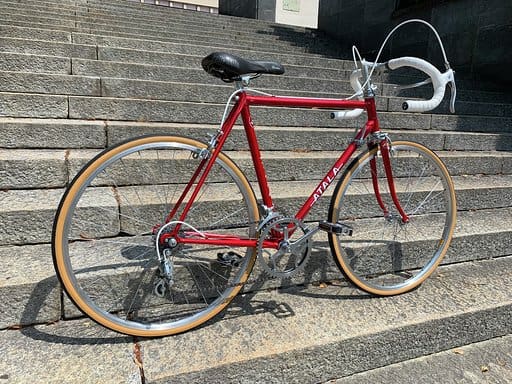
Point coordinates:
pixel 367 104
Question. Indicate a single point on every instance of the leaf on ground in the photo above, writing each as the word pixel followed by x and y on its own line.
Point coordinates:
pixel 137 355
pixel 484 368
pixel 458 351
pixel 501 362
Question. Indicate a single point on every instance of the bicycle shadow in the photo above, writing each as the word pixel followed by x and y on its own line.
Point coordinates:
pixel 320 272
pixel 81 331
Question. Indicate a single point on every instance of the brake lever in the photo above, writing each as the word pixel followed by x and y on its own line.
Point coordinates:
pixel 453 90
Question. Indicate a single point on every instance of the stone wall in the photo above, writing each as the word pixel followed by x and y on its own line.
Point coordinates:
pixel 261 9
pixel 477 33
pixel 303 13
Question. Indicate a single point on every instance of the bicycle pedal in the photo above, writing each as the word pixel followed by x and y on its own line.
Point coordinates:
pixel 336 228
pixel 229 259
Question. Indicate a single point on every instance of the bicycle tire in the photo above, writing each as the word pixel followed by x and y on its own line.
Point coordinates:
pixel 103 241
pixel 383 255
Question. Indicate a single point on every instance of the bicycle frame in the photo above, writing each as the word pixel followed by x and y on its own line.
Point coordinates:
pixel 242 108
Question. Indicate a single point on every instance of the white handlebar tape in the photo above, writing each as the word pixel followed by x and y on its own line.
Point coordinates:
pixel 348 114
pixel 439 81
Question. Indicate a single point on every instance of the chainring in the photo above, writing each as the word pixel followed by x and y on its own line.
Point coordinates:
pixel 293 253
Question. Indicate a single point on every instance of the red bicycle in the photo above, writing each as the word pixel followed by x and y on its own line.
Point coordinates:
pixel 156 235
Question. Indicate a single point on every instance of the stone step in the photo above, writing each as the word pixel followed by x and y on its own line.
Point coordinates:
pixel 65 4
pixel 38 47
pixel 22 62
pixel 176 35
pixel 52 133
pixel 28 206
pixel 52 84
pixel 263 337
pixel 87 41
pixel 205 89
pixel 196 74
pixel 26 18
pixel 222 20
pixel 178 91
pixel 168 90
pixel 304 138
pixel 33 105
pixel 290 344
pixel 474 239
pixel 210 19
pixel 93 19
pixel 161 58
pixel 30 169
pixel 485 361
pixel 162 52
pixel 109 108
pixel 262 31
pixel 235 18
pixel 187 69
pixel 36 169
pixel 164 56
pixel 132 109
pixel 166 36
pixel 68 133
pixel 157 42
pixel 126 12
pixel 37 23
pixel 53 35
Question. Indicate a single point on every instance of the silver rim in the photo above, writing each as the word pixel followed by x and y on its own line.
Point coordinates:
pixel 384 254
pixel 109 251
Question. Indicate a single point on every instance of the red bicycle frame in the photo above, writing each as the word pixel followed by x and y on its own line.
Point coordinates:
pixel 242 108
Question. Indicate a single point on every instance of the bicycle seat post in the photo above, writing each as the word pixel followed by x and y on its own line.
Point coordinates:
pixel 243 82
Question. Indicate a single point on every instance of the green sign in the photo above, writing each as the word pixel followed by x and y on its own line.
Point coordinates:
pixel 291 5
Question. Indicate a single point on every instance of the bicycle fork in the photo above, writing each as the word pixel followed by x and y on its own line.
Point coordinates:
pixel 385 147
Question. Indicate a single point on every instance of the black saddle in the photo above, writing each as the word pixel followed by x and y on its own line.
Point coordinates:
pixel 231 68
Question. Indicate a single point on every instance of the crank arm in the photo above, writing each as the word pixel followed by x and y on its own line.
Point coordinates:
pixel 299 243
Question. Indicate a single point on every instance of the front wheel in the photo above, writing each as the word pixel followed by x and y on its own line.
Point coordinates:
pixel 384 255
pixel 106 246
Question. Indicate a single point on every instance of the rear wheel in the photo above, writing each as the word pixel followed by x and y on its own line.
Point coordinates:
pixel 107 229
pixel 385 256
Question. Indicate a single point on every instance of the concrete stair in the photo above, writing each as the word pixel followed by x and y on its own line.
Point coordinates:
pixel 308 334
pixel 77 76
